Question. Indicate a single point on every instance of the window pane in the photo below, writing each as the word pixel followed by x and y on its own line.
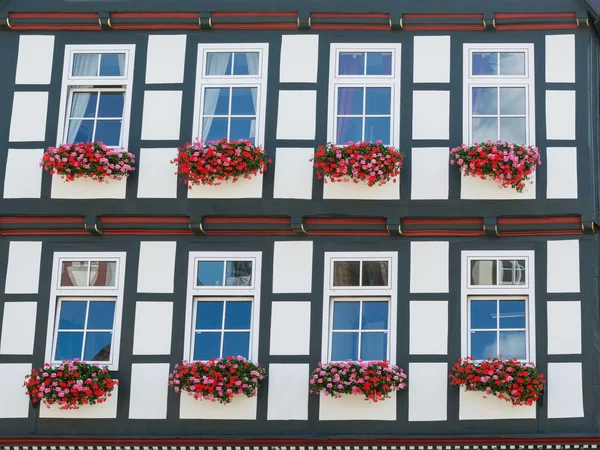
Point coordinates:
pixel 218 63
pixel 377 129
pixel 379 63
pixel 207 346
pixel 216 101
pixel 80 131
pixel 344 346
pixel 74 273
pixel 375 273
pixel 346 315
pixel 512 101
pixel 373 346
pixel 512 271
pixel 512 314
pixel 346 273
pixel 83 104
pixel 214 128
pixel 378 101
pixel 485 63
pixel 512 63
pixel 350 100
pixel 483 344
pixel 111 104
pixel 485 129
pixel 512 129
pixel 209 315
pixel 375 316
pixel 103 273
pixel 352 63
pixel 112 65
pixel 243 128
pixel 101 316
pixel 483 273
pixel 97 347
pixel 85 64
pixel 485 101
pixel 349 129
pixel 245 63
pixel 109 132
pixel 243 101
pixel 210 273
pixel 513 344
pixel 237 315
pixel 236 344
pixel 68 346
pixel 238 273
pixel 483 314
pixel 72 315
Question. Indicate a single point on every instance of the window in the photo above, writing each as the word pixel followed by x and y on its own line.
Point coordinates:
pixel 223 306
pixel 85 308
pixel 359 314
pixel 364 93
pixel 231 92
pixel 499 93
pixel 96 94
pixel 498 305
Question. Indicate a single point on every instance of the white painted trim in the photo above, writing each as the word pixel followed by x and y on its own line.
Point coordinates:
pixel 527 291
pixel 193 292
pixel 362 293
pixel 116 292
pixel 392 81
pixel 259 81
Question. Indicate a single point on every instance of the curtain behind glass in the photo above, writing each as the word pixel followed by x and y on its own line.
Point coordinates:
pixel 79 103
pixel 85 64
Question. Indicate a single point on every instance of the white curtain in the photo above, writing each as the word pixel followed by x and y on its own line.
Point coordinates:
pixel 121 62
pixel 79 103
pixel 216 63
pixel 85 64
pixel 253 59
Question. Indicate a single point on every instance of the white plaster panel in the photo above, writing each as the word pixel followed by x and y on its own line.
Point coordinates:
pixel 430 169
pixel 13 401
pixel 431 114
pixel 428 267
pixel 362 191
pixel 105 410
pixel 156 268
pixel 472 406
pixel 563 266
pixel 288 392
pixel 564 390
pixel 561 169
pixel 157 177
pixel 354 407
pixel 23 271
pixel 28 119
pixel 18 328
pixel 431 59
pixel 166 59
pixel 292 267
pixel 560 115
pixel 427 392
pixel 293 173
pixel 296 116
pixel 148 395
pixel 428 327
pixel 34 63
pixel 560 58
pixel 240 408
pixel 290 328
pixel 472 188
pixel 299 58
pixel 152 329
pixel 161 115
pixel 23 177
pixel 243 188
pixel 564 328
pixel 86 188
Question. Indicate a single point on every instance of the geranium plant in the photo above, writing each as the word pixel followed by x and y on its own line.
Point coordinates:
pixel 218 380
pixel 509 165
pixel 69 384
pixel 375 164
pixel 519 383
pixel 88 160
pixel 374 380
pixel 218 161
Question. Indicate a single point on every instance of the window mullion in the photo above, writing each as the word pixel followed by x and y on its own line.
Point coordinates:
pixel 364 112
pixel 360 310
pixel 223 328
pixel 229 111
pixel 85 324
pixel 498 327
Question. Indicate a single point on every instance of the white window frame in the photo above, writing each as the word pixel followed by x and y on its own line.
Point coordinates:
pixel 526 81
pixel 366 293
pixel 72 84
pixel 259 81
pixel 392 81
pixel 481 292
pixel 229 293
pixel 59 294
